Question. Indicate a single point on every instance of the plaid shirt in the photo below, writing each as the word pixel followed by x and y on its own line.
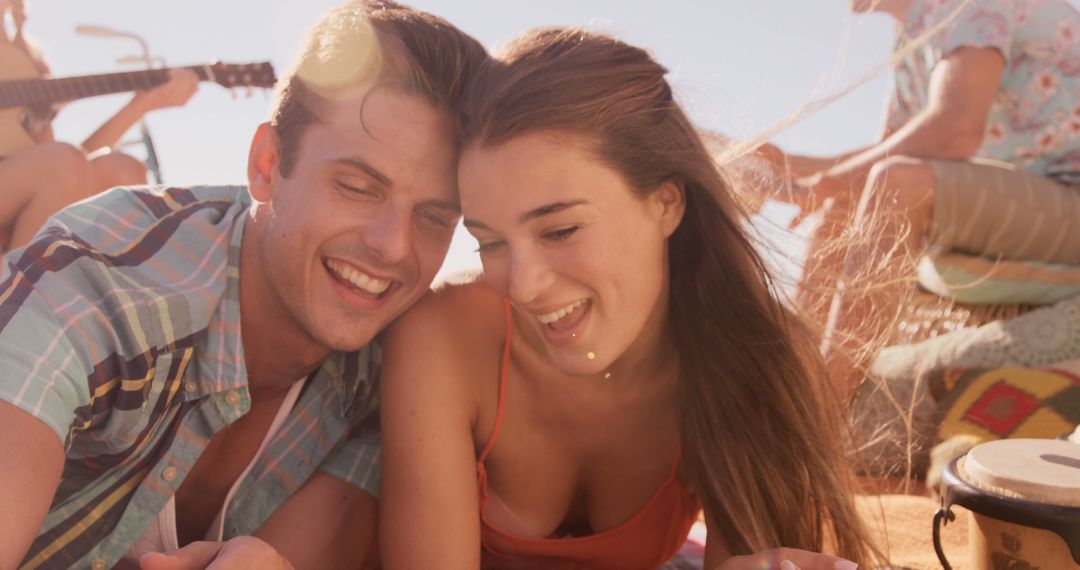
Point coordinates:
pixel 120 329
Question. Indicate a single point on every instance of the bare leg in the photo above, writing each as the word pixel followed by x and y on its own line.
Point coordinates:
pixel 891 223
pixel 824 261
pixel 115 169
pixel 36 183
pixel 825 254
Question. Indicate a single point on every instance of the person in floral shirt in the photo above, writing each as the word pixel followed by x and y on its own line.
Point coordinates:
pixel 1034 118
pixel 980 153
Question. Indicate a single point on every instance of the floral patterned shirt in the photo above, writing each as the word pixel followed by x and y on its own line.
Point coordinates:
pixel 1034 121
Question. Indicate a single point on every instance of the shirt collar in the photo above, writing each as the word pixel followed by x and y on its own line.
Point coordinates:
pixel 220 352
pixel 353 377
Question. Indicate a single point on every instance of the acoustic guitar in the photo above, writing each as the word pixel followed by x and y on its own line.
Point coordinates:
pixel 23 93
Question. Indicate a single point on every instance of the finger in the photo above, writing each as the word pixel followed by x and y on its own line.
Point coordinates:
pixel 241 559
pixel 182 74
pixel 788 565
pixel 245 552
pixel 195 556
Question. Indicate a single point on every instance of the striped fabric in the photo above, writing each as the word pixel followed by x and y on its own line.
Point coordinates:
pixel 120 329
pixel 991 208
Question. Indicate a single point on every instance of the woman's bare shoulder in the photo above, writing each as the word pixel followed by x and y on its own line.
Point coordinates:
pixel 453 315
pixel 446 346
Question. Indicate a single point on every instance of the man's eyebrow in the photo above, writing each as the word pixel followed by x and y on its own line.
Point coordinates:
pixel 369 169
pixel 532 214
pixel 444 205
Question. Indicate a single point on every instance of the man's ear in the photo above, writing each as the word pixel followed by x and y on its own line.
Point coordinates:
pixel 262 163
pixel 669 200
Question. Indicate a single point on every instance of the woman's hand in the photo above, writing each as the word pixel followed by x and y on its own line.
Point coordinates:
pixel 236 554
pixel 182 84
pixel 787 559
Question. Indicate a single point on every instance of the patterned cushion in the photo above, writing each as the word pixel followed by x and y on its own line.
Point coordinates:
pixel 987 281
pixel 978 405
pixel 1006 402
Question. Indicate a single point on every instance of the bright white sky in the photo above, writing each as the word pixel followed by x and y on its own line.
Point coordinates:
pixel 738 66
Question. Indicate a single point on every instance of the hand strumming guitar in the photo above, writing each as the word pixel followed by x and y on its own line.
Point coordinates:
pixel 182 84
pixel 39 175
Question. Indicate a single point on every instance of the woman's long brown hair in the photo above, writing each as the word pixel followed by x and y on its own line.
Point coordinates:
pixel 760 431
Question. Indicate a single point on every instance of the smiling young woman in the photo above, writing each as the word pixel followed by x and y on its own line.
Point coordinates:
pixel 625 362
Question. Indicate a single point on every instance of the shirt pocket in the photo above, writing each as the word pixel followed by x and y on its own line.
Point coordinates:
pixel 128 413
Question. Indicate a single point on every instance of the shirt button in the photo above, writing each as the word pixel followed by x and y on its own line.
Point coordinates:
pixel 169 473
pixel 232 398
pixel 97 565
pixel 190 387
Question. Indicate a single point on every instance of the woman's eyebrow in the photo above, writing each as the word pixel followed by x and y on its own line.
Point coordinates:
pixel 531 214
pixel 551 209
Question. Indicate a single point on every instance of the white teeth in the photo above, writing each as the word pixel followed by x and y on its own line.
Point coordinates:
pixel 361 281
pixel 556 315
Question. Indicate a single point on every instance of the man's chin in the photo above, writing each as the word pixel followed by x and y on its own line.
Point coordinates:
pixel 351 332
pixel 348 338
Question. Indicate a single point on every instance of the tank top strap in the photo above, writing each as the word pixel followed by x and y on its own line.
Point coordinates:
pixel 678 463
pixel 503 368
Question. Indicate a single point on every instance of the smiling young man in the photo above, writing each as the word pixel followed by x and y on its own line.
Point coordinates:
pixel 189 364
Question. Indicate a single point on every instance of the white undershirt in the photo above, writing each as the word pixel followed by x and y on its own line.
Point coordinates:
pixel 160 535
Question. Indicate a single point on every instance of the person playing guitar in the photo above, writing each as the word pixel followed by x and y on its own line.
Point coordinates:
pixel 40 179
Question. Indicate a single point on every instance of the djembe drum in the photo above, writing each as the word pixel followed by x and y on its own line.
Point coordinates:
pixel 1024 496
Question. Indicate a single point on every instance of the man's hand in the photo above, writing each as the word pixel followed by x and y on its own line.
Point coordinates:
pixel 237 554
pixel 813 192
pixel 787 559
pixel 182 84
pixel 759 176
pixel 776 158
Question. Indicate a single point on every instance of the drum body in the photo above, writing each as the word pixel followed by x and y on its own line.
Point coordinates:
pixel 995 543
pixel 1024 498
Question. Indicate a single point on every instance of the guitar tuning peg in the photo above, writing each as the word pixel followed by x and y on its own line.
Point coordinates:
pixel 248 92
pixel 232 93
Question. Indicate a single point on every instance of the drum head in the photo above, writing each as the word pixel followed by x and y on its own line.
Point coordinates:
pixel 1038 470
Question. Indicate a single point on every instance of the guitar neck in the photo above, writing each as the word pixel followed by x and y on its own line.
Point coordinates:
pixel 42 92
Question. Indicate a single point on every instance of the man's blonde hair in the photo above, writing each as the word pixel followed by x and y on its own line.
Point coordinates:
pixel 365 44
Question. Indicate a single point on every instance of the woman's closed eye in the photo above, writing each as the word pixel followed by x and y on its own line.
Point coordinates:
pixel 555 235
pixel 561 233
pixel 489 246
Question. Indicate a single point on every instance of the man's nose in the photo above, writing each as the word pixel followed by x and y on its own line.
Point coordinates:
pixel 389 234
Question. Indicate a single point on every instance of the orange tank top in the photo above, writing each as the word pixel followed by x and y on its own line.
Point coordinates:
pixel 648 539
